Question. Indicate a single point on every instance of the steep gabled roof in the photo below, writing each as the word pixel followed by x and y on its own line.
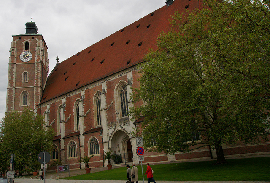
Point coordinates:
pixel 121 50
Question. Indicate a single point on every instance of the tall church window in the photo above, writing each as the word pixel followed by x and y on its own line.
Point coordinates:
pixel 77 115
pixel 72 149
pixel 59 118
pixel 24 98
pixel 55 152
pixel 124 101
pixel 93 146
pixel 26 45
pixel 25 77
pixel 121 100
pixel 97 106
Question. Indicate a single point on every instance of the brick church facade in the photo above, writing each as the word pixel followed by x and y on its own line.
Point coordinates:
pixel 86 98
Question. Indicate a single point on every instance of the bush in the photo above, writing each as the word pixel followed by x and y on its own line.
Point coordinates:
pixel 117 158
pixel 55 163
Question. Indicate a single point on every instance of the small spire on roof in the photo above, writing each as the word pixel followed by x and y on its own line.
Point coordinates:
pixel 57 60
pixel 169 2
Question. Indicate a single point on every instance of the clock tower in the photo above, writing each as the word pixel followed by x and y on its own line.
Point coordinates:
pixel 28 69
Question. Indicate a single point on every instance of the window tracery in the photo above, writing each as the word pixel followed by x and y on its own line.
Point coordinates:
pixel 72 149
pixel 55 152
pixel 93 146
pixel 121 99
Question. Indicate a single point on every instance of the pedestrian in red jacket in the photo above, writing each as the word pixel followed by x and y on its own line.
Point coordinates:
pixel 149 173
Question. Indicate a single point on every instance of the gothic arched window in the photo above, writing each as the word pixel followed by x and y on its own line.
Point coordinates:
pixel 72 149
pixel 24 98
pixel 25 77
pixel 97 105
pixel 93 146
pixel 55 152
pixel 121 100
pixel 124 101
pixel 77 115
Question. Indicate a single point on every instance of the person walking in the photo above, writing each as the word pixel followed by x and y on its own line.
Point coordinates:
pixel 128 173
pixel 41 174
pixel 134 174
pixel 149 173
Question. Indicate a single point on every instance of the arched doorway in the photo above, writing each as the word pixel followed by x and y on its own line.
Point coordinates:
pixel 121 145
pixel 129 151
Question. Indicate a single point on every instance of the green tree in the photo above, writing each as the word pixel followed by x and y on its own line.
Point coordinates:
pixel 209 76
pixel 4 159
pixel 25 135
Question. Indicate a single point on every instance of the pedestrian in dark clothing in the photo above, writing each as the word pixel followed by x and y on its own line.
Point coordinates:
pixel 128 173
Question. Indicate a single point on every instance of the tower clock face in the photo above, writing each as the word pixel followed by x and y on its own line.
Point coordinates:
pixel 25 56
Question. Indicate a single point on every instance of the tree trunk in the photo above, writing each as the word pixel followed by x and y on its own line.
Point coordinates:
pixel 220 155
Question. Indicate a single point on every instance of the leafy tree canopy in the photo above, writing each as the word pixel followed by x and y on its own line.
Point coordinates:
pixel 209 76
pixel 25 135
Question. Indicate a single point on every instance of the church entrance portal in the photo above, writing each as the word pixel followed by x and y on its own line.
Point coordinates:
pixel 121 145
pixel 129 151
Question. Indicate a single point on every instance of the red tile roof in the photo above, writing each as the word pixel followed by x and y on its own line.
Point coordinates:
pixel 119 51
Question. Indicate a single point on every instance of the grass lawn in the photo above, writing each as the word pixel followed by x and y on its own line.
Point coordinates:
pixel 248 169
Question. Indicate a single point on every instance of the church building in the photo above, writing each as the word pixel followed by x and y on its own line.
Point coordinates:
pixel 86 98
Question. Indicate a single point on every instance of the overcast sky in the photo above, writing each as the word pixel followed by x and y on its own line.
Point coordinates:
pixel 68 26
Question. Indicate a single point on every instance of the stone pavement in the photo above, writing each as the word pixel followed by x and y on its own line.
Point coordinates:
pixel 22 180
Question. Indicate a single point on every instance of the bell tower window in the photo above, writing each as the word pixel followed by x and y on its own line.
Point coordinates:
pixel 26 45
pixel 24 98
pixel 25 77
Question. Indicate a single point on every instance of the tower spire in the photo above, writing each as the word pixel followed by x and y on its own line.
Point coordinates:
pixel 31 28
